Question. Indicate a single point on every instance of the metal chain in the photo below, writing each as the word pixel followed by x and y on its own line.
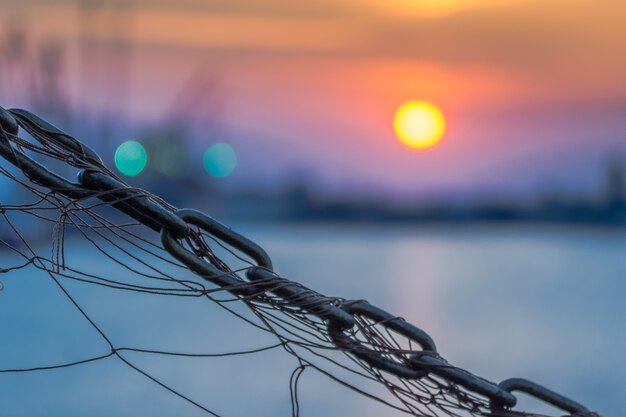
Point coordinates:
pixel 177 227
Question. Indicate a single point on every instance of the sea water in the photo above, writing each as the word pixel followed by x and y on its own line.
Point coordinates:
pixel 544 303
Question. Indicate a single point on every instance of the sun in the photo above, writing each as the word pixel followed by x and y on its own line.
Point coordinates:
pixel 419 124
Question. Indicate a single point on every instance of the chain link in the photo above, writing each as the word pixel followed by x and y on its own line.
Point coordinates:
pixel 176 228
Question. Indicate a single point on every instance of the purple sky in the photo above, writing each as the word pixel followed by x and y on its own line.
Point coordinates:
pixel 533 94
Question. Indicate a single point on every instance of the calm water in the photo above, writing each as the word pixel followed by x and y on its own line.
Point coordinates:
pixel 541 303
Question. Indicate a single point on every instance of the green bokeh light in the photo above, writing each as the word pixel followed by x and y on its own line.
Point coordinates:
pixel 220 160
pixel 169 158
pixel 130 158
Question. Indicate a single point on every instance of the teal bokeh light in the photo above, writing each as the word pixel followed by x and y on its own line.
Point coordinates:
pixel 130 158
pixel 220 160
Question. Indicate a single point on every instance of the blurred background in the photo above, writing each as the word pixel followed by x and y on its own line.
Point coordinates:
pixel 281 118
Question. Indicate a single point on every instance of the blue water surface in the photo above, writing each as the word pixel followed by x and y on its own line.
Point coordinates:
pixel 543 303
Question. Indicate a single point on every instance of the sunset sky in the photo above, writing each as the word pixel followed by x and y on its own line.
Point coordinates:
pixel 533 92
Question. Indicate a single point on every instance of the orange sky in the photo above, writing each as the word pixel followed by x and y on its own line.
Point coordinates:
pixel 517 79
pixel 563 44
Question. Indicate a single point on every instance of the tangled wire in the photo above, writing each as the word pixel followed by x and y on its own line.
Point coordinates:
pixel 350 342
